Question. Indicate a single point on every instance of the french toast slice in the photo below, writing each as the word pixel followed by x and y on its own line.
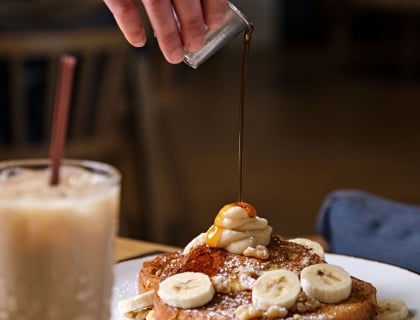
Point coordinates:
pixel 233 275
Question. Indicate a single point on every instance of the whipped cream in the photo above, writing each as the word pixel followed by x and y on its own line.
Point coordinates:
pixel 237 228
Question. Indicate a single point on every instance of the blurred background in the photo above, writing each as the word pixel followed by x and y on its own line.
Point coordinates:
pixel 332 102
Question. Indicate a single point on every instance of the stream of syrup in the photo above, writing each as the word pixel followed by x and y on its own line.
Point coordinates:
pixel 244 67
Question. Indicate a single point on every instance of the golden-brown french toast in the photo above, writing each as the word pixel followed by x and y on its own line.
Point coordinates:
pixel 234 275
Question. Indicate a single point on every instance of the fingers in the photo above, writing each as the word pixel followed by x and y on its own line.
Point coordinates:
pixel 178 24
pixel 192 25
pixel 214 11
pixel 162 19
pixel 128 19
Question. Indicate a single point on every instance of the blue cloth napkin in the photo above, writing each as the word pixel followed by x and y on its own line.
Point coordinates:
pixel 364 225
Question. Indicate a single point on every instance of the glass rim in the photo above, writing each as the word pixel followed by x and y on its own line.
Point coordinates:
pixel 98 166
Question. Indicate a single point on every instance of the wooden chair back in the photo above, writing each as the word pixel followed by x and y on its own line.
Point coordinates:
pixel 29 63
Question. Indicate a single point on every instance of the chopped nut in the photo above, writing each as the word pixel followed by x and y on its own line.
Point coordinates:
pixel 248 312
pixel 275 312
pixel 247 280
pixel 225 285
pixel 259 252
pixel 305 304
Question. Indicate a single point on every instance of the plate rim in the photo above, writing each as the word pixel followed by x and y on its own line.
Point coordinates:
pixel 373 261
pixel 143 258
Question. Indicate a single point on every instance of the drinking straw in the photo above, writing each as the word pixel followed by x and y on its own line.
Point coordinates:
pixel 60 119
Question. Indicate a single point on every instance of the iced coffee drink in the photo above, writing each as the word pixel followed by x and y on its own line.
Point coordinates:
pixel 57 242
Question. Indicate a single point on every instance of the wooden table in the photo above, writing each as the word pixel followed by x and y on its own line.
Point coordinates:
pixel 129 248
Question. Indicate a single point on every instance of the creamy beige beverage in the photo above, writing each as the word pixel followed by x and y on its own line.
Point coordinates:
pixel 57 243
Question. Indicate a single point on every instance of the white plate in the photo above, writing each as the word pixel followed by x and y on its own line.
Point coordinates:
pixel 390 281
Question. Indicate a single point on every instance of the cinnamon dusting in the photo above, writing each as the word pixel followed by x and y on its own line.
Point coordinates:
pixel 204 259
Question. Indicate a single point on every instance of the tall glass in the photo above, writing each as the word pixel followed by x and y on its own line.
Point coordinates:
pixel 57 242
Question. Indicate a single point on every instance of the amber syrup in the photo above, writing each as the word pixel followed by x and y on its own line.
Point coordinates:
pixel 244 67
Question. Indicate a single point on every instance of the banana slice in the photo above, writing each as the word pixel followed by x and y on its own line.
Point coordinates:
pixel 312 245
pixel 326 282
pixel 151 315
pixel 392 309
pixel 141 301
pixel 138 314
pixel 276 288
pixel 186 290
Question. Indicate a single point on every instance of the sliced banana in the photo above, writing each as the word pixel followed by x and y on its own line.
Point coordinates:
pixel 186 290
pixel 141 301
pixel 312 245
pixel 151 315
pixel 276 288
pixel 326 282
pixel 392 309
pixel 139 314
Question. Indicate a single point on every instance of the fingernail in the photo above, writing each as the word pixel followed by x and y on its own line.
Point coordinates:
pixel 138 39
pixel 177 56
pixel 139 43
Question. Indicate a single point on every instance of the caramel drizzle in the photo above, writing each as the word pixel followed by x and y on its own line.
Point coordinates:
pixel 250 210
pixel 246 46
pixel 215 231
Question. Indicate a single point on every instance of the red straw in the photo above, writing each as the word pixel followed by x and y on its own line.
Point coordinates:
pixel 60 120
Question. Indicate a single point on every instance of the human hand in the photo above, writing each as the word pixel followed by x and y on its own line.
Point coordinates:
pixel 193 17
